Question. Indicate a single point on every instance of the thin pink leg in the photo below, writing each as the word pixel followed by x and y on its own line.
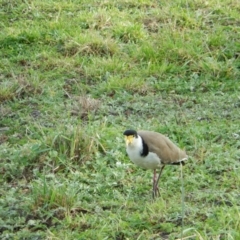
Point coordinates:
pixel 155 182
pixel 155 190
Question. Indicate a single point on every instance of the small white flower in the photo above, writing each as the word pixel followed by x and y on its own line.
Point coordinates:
pixel 118 164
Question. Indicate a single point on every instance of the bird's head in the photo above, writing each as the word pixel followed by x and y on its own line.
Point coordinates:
pixel 130 135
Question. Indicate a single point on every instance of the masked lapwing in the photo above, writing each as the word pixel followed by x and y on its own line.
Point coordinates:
pixel 152 150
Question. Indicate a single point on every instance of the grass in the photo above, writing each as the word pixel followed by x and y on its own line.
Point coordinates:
pixel 74 75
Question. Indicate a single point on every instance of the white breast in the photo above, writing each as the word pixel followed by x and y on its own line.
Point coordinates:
pixel 151 161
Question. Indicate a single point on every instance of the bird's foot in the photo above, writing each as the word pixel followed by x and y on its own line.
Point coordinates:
pixel 155 192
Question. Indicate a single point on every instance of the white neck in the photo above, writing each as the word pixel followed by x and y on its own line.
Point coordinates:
pixel 136 144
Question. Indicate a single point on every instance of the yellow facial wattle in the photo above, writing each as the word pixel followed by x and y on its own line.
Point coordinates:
pixel 129 139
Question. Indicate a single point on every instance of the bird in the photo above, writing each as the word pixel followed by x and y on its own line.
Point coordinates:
pixel 152 150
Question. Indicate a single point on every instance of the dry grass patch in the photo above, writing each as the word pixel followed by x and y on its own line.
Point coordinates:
pixel 91 46
pixel 85 105
pixel 19 86
pixel 71 145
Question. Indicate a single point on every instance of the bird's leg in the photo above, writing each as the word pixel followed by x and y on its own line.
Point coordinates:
pixel 155 187
pixel 156 182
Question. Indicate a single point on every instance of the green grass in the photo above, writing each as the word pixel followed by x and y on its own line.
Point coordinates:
pixel 75 74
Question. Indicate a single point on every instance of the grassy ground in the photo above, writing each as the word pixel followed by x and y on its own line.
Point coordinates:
pixel 75 74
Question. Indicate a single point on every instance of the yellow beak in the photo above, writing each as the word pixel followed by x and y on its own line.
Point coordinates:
pixel 129 139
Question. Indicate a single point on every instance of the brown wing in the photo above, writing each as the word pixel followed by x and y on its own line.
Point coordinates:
pixel 167 151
